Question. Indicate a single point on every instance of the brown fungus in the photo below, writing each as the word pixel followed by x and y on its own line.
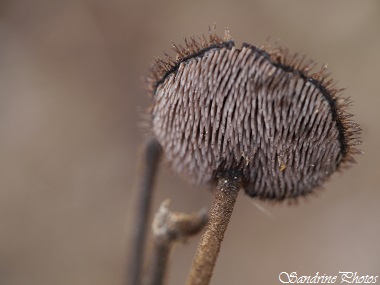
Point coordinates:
pixel 259 111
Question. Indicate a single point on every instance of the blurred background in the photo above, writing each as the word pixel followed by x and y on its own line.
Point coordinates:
pixel 71 104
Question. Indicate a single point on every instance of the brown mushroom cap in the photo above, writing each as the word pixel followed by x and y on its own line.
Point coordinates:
pixel 219 108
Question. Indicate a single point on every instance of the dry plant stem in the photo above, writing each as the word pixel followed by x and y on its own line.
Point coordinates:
pixel 168 228
pixel 219 217
pixel 159 263
pixel 149 163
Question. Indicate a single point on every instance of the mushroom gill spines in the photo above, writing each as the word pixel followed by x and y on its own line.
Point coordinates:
pixel 219 108
pixel 192 47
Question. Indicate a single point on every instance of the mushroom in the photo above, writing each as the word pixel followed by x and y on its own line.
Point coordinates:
pixel 252 118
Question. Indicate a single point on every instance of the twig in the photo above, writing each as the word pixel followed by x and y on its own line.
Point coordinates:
pixel 149 163
pixel 169 227
pixel 220 214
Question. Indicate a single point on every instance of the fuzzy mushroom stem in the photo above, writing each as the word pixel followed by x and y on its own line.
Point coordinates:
pixel 219 217
pixel 151 154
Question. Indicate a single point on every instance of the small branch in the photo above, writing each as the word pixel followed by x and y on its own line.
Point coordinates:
pixel 169 227
pixel 149 163
pixel 220 214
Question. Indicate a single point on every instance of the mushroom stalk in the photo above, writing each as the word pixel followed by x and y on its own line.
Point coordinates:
pixel 219 217
pixel 149 163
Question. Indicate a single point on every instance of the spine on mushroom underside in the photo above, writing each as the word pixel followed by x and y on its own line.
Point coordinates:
pixel 260 110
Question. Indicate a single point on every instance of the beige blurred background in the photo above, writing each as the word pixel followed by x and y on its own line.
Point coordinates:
pixel 72 99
